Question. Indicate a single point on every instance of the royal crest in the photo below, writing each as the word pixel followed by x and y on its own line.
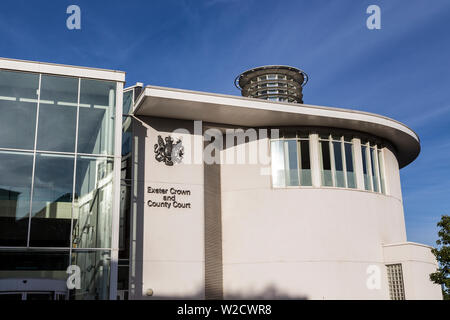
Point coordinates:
pixel 169 152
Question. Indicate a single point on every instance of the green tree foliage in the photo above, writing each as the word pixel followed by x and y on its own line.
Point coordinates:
pixel 442 253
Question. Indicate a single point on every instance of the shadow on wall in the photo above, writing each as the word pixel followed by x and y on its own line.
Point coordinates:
pixel 271 292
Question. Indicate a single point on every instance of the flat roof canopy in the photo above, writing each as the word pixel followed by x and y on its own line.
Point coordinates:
pixel 250 112
pixel 60 69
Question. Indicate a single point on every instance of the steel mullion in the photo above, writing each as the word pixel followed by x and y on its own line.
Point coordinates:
pixel 34 162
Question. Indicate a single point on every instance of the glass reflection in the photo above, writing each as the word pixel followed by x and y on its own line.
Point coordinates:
pixel 94 267
pixel 381 169
pixel 52 201
pixel 96 117
pixel 338 164
pixel 366 164
pixel 93 203
pixel 374 169
pixel 305 165
pixel 291 163
pixel 327 179
pixel 15 188
pixel 349 165
pixel 18 105
pixel 57 114
pixel 277 157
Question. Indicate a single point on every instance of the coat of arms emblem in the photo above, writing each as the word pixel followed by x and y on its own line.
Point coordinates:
pixel 169 152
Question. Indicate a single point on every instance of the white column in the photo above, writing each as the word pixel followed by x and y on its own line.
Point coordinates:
pixel 315 160
pixel 115 225
pixel 358 163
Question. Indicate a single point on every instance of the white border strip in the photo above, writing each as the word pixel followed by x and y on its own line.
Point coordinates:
pixel 59 69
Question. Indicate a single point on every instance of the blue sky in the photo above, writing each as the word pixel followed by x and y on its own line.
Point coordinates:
pixel 401 71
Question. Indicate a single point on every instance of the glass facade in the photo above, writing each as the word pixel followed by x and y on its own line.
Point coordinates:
pixel 291 163
pixel 56 178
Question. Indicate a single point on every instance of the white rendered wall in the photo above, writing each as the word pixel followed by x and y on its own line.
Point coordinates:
pixel 298 242
pixel 305 242
pixel 169 257
pixel 417 260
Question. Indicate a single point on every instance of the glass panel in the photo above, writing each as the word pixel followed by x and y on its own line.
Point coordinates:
pixel 381 169
pixel 349 164
pixel 365 168
pixel 374 170
pixel 35 264
pixel 93 203
pixel 96 123
pixel 95 274
pixel 126 139
pixel 127 102
pixel 339 172
pixel 305 164
pixel 348 138
pixel 18 105
pixel 40 296
pixel 52 201
pixel 289 134
pixel 327 179
pixel 302 135
pixel 277 156
pixel 336 138
pixel 57 114
pixel 15 188
pixel 291 163
pixel 10 296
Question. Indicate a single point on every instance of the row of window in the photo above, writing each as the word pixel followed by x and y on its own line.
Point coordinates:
pixel 291 162
pixel 272 77
pixel 276 91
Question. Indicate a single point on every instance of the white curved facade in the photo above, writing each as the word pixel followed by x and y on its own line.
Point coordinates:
pixel 243 237
pixel 309 242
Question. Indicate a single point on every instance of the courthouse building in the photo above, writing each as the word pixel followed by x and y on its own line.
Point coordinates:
pixel 119 182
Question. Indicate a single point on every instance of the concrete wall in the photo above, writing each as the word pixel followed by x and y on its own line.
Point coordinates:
pixel 169 242
pixel 417 262
pixel 290 243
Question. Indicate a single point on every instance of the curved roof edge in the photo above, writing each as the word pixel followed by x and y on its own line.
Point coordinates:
pixel 251 112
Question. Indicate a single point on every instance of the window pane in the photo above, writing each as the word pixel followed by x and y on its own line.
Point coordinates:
pixel 326 164
pixel 291 163
pixel 381 169
pixel 18 105
pixel 52 201
pixel 349 165
pixel 44 265
pixel 374 169
pixel 305 164
pixel 127 102
pixel 367 185
pixel 339 172
pixel 277 157
pixel 95 274
pixel 15 188
pixel 96 123
pixel 57 114
pixel 93 203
